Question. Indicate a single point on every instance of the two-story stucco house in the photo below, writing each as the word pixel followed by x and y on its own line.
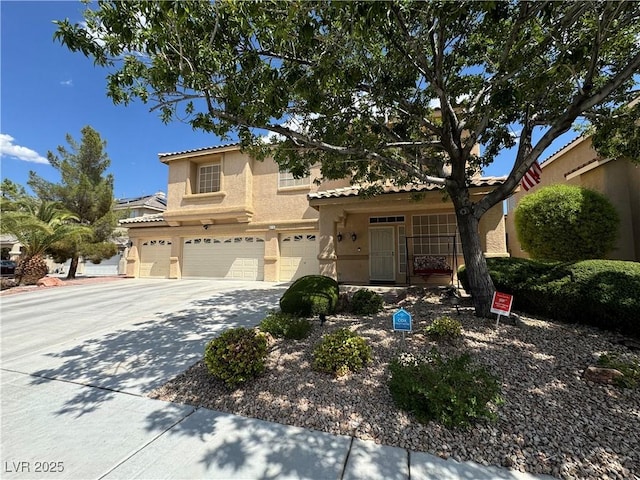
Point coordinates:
pixel 618 179
pixel 231 216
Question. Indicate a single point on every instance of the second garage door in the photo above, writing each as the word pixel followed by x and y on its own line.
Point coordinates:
pixel 237 258
pixel 298 256
pixel 154 258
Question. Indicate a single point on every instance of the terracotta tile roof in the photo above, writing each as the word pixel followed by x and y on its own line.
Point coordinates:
pixel 578 137
pixel 156 217
pixel 353 191
pixel 195 150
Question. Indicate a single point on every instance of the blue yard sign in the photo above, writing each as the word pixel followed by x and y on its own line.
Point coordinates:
pixel 402 321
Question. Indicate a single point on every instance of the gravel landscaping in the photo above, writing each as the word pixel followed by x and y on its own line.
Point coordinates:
pixel 552 420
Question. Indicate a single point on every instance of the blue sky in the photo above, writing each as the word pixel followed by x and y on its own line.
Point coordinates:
pixel 48 91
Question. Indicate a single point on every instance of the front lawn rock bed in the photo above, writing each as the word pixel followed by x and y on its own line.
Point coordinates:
pixel 552 421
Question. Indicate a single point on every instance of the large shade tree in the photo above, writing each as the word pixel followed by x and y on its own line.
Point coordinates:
pixel 86 190
pixel 354 85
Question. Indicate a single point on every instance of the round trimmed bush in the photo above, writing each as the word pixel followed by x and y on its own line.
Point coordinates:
pixel 566 223
pixel 286 325
pixel 341 352
pixel 236 356
pixel 366 302
pixel 310 295
pixel 444 328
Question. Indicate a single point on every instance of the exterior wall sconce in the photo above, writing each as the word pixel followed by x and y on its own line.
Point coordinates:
pixel 206 227
pixel 339 237
pixel 354 237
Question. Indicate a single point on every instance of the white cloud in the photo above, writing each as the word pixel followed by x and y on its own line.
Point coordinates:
pixel 67 83
pixel 11 150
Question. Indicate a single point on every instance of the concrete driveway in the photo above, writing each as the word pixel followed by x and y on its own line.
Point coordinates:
pixel 128 335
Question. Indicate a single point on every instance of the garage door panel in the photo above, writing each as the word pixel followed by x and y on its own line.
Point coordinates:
pixel 298 256
pixel 155 258
pixel 238 258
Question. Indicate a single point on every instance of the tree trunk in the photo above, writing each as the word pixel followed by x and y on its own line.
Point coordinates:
pixel 30 270
pixel 480 282
pixel 73 267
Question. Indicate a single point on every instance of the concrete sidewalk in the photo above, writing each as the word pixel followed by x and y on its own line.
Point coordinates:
pixel 115 435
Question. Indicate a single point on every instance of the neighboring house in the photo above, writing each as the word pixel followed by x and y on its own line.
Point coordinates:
pixel 10 247
pixel 231 216
pixel 141 206
pixel 617 178
pixel 128 207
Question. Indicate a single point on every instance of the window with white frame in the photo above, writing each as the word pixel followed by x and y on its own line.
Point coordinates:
pixel 209 178
pixel 286 179
pixel 433 234
pixel 402 250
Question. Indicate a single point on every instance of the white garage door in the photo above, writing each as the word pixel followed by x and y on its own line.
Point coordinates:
pixel 298 256
pixel 237 258
pixel 108 266
pixel 154 258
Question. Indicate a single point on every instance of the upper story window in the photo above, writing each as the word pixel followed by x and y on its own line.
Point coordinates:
pixel 285 179
pixel 209 178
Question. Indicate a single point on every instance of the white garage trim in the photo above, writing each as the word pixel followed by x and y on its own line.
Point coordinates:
pixel 154 258
pixel 237 258
pixel 298 256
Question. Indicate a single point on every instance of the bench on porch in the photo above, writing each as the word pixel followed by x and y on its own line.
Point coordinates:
pixel 427 265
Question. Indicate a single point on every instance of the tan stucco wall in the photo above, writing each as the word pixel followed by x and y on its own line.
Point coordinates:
pixel 272 203
pixel 249 192
pixel 618 180
pixel 493 233
pixel 249 203
pixel 348 260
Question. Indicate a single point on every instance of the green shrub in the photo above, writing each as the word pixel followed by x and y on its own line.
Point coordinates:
pixel 236 356
pixel 341 352
pixel 444 328
pixel 366 302
pixel 566 223
pixel 310 295
pixel 630 369
pixel 453 392
pixel 602 293
pixel 285 325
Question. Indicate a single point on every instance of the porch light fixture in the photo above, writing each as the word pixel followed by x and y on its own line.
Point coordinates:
pixel 354 237
pixel 339 237
pixel 206 226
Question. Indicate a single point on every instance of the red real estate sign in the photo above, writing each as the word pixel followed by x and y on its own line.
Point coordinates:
pixel 501 303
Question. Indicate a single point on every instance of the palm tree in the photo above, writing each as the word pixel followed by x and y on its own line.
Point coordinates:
pixel 38 226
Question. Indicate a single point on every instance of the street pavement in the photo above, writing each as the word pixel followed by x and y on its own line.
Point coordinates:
pixel 77 362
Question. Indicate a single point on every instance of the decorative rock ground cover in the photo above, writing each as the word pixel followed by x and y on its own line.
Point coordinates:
pixel 553 421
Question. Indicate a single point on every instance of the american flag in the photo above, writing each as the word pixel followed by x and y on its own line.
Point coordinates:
pixel 532 177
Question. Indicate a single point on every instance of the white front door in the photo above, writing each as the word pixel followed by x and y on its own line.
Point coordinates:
pixel 381 256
